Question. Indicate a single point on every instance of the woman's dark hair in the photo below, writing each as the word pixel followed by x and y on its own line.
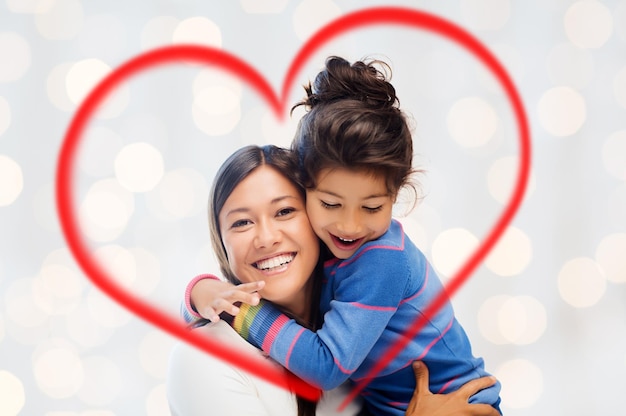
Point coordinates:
pixel 232 172
pixel 353 121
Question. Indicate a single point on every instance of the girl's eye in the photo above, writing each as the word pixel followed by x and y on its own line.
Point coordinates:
pixel 373 209
pixel 328 206
pixel 285 211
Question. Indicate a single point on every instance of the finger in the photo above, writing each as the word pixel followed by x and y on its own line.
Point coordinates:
pixel 421 378
pixel 251 287
pixel 223 305
pixel 474 386
pixel 483 410
pixel 210 314
pixel 243 297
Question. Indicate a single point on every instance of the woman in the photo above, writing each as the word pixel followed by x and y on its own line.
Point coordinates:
pixel 260 232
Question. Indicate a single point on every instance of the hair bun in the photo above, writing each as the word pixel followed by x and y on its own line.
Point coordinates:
pixel 361 81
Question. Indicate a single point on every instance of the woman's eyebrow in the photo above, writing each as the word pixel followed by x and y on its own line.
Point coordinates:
pixel 246 210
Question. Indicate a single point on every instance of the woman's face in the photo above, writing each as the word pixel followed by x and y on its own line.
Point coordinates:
pixel 267 236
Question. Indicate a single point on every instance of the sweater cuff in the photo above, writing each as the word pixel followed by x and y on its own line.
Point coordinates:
pixel 260 324
pixel 190 313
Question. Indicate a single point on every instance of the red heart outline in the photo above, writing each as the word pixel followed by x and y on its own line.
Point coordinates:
pixel 212 57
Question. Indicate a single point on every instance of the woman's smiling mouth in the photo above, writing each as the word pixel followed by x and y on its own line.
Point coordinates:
pixel 275 262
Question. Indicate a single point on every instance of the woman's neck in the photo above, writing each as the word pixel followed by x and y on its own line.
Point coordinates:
pixel 300 306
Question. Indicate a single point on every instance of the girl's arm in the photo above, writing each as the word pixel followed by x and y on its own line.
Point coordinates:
pixel 364 300
pixel 207 296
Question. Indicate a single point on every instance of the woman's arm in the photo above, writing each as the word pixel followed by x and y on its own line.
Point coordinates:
pixel 425 403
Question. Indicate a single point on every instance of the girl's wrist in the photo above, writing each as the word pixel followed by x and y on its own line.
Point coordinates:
pixel 190 308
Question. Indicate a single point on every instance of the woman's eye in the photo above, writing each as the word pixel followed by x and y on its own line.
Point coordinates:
pixel 285 211
pixel 329 206
pixel 241 223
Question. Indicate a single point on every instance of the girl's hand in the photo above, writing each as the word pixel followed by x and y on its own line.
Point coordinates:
pixel 425 403
pixel 211 297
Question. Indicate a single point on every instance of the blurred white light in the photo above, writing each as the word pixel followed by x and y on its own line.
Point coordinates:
pixel 83 76
pixel 502 178
pixel 15 56
pixel 488 322
pixel 137 269
pixel 5 115
pixel 262 7
pixel 181 193
pixel 106 210
pixel 216 110
pixel 105 311
pixel 84 330
pixel 472 122
pixel 154 350
pixel 29 6
pixel 139 167
pixel 61 21
pixel 56 88
pixel 570 65
pixel 310 15
pixel 279 133
pixel 562 111
pixel 12 181
pixel 20 305
pixel 158 32
pixel 522 320
pixel 198 30
pixel 522 383
pixel 588 24
pixel 518 320
pixel 611 256
pixel 614 154
pixel 486 14
pixel 415 231
pixel 57 289
pixel 156 402
pixel 102 381
pixel 58 372
pixel 119 263
pixel 619 87
pixel 12 397
pixel 511 254
pixel 619 16
pixel 581 282
pixel 451 249
pixel 212 78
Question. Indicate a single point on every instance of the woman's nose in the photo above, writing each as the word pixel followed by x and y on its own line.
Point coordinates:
pixel 267 235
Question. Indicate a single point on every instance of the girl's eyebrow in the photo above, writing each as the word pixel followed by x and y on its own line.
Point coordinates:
pixel 340 197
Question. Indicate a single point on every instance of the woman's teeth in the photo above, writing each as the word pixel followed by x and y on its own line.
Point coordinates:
pixel 274 262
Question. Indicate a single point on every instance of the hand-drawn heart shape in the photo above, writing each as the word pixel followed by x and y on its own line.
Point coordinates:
pixel 222 60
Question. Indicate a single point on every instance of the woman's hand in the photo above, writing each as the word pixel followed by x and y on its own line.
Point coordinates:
pixel 211 297
pixel 425 403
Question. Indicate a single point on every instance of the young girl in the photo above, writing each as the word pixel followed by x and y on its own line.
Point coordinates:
pixel 354 149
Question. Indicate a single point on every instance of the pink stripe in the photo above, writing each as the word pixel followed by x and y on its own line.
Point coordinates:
pixel 386 247
pixel 293 344
pixel 190 286
pixel 419 292
pixel 434 341
pixel 445 386
pixel 343 370
pixel 273 332
pixel 374 308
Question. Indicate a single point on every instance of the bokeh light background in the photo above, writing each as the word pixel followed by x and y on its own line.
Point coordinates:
pixel 547 309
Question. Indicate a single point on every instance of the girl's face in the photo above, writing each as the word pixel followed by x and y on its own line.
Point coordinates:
pixel 348 208
pixel 267 236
